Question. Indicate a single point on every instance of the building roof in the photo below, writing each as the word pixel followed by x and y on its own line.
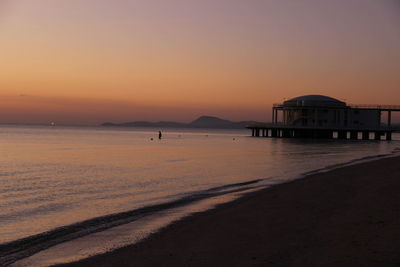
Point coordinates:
pixel 314 100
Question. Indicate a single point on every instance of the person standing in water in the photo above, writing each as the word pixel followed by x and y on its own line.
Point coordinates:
pixel 159 135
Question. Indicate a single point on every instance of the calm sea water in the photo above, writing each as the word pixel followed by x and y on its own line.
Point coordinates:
pixel 60 184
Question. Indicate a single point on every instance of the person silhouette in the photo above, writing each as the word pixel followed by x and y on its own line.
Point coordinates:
pixel 159 135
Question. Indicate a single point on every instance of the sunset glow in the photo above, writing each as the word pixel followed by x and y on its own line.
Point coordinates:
pixel 87 62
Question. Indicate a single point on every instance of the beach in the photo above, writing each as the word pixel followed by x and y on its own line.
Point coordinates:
pixel 345 217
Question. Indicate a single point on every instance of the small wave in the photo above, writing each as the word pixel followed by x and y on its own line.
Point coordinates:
pixel 15 250
pixel 219 188
pixel 344 164
pixel 396 150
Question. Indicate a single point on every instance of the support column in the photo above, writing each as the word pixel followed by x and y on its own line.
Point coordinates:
pixel 327 134
pixel 252 132
pixel 315 117
pixel 377 135
pixel 388 136
pixel 380 117
pixel 273 115
pixel 274 133
pixel 286 133
pixel 365 135
pixel 389 118
pixel 342 135
pixel 322 134
pixel 330 134
pixel 353 135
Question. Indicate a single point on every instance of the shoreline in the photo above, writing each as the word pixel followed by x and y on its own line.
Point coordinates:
pixel 345 216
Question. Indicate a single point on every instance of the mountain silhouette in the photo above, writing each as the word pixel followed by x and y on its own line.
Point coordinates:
pixel 201 122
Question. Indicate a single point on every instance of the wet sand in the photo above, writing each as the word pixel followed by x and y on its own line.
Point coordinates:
pixel 346 217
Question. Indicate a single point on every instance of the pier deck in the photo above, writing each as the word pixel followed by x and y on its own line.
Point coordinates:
pixel 290 131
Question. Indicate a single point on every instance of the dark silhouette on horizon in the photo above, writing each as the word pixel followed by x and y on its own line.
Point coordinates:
pixel 201 122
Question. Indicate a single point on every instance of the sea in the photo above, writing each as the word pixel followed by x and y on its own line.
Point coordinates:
pixel 67 193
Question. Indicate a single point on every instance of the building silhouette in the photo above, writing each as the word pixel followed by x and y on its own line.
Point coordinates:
pixel 318 116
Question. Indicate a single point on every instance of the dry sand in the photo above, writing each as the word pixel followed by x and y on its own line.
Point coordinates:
pixel 345 217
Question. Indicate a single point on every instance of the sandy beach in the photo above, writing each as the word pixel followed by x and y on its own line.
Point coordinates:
pixel 345 217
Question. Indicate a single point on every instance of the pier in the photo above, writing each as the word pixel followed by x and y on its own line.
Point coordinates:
pixel 317 116
pixel 285 131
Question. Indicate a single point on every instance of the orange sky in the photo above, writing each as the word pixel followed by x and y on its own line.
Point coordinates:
pixel 86 62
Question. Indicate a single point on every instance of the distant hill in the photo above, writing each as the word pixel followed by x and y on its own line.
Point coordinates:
pixel 201 122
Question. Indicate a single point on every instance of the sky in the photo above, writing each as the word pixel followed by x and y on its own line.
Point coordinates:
pixel 87 62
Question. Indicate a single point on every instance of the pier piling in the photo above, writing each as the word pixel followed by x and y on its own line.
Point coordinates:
pixel 377 136
pixel 388 136
pixel 353 135
pixel 342 135
pixel 365 135
pixel 304 132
